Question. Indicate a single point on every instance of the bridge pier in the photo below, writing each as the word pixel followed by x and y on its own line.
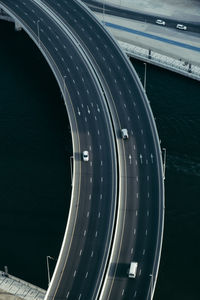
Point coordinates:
pixel 17 26
pixel 4 16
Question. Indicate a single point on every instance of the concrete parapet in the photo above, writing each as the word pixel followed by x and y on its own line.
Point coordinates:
pixel 164 61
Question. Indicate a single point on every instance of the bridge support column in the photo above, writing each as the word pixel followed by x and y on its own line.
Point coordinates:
pixel 17 26
pixel 189 68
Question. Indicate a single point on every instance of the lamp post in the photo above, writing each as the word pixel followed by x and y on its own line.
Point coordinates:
pixel 145 76
pixel 38 31
pixel 64 85
pixel 71 167
pixel 151 286
pixel 164 161
pixel 104 9
pixel 48 272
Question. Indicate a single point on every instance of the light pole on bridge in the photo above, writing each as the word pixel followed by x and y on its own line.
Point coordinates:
pixel 38 31
pixel 48 272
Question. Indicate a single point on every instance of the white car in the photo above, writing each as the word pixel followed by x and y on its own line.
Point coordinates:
pixel 181 26
pixel 160 22
pixel 85 155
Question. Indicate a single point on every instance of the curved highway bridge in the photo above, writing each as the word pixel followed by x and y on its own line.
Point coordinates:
pixel 117 204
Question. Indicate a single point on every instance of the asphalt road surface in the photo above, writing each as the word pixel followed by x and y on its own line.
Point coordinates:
pixel 139 16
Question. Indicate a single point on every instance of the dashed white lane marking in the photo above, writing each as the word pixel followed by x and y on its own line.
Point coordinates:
pixel 74 273
pixel 86 275
pixel 80 253
pixel 88 110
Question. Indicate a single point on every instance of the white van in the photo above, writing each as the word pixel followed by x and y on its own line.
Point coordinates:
pixel 124 133
pixel 133 270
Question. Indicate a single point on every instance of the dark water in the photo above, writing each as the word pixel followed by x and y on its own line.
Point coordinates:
pixel 35 175
pixel 175 101
pixel 35 145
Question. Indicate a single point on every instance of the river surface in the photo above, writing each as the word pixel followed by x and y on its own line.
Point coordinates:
pixel 35 183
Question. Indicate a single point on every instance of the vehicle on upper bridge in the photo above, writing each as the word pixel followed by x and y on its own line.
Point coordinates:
pixel 124 133
pixel 85 155
pixel 133 270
